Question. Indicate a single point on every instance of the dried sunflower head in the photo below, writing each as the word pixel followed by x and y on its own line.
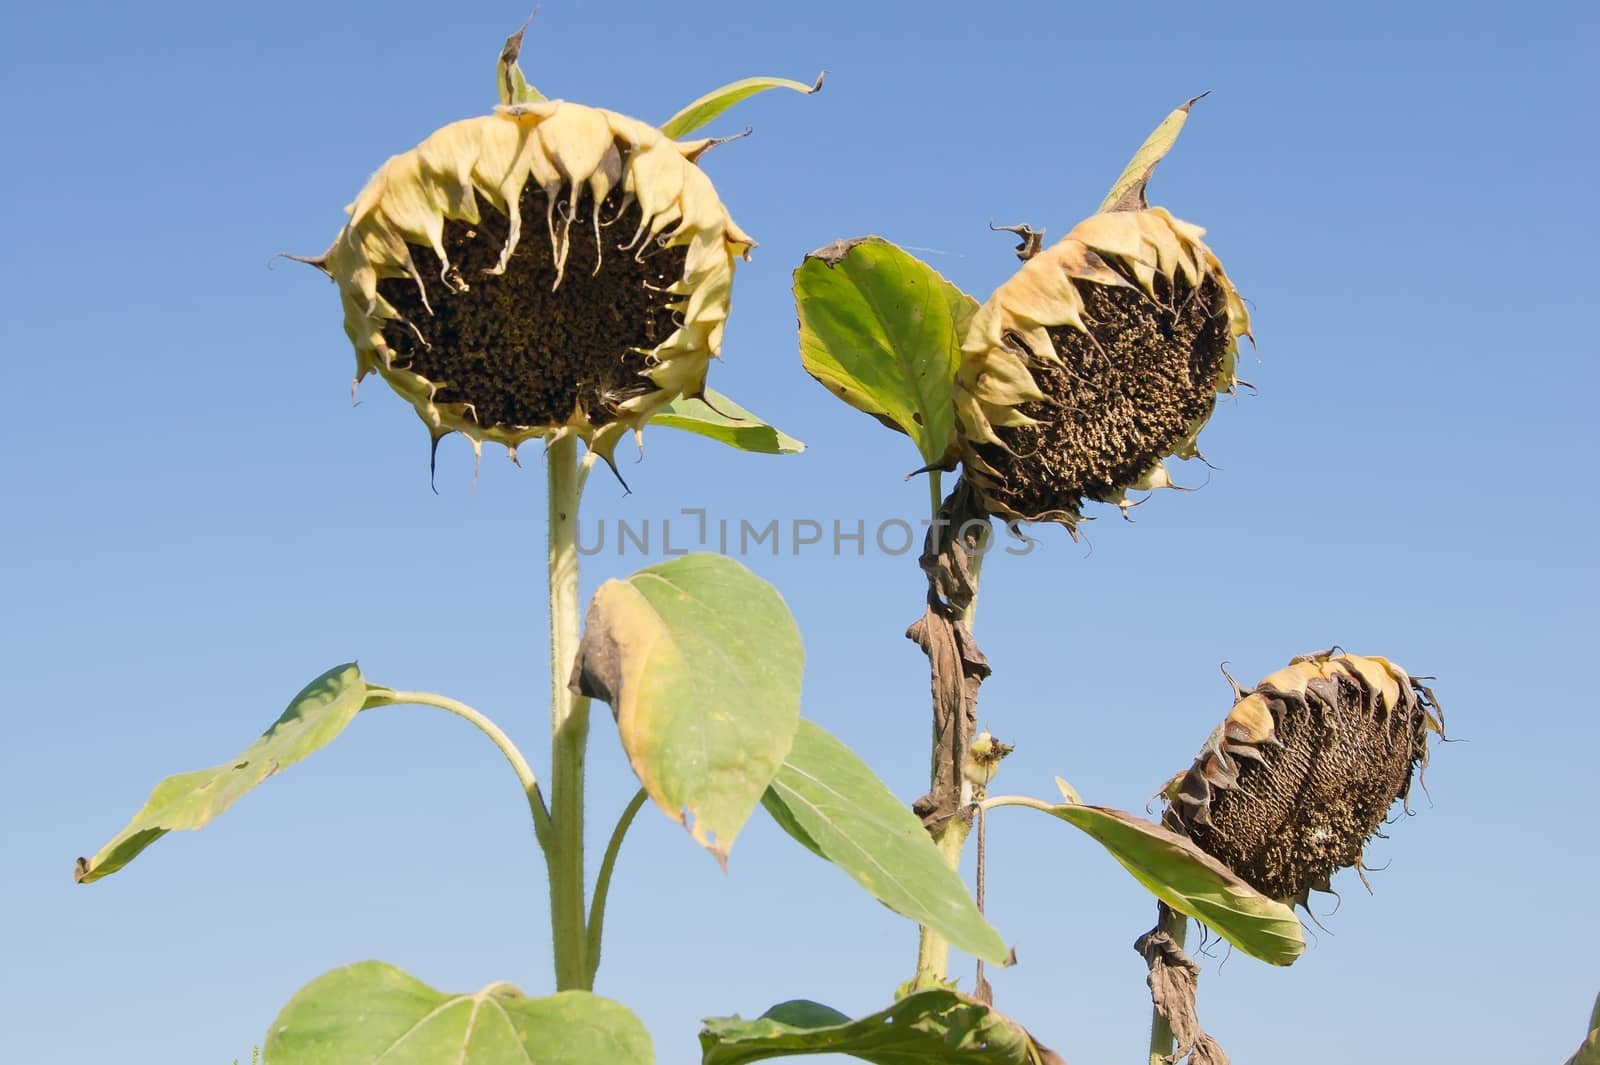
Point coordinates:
pixel 546 270
pixel 1302 772
pixel 1101 357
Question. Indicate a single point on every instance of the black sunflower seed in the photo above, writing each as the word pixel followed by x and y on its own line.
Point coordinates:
pixel 515 347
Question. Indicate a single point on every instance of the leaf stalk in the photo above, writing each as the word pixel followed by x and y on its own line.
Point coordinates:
pixel 602 885
pixel 530 785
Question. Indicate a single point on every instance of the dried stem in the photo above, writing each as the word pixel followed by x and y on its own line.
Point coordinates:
pixel 1175 1031
pixel 950 559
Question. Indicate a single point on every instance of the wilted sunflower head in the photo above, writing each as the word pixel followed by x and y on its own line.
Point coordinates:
pixel 545 270
pixel 1302 772
pixel 1101 357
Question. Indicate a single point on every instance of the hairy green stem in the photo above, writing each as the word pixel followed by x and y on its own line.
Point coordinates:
pixel 569 724
pixel 1162 1042
pixel 602 884
pixel 933 950
pixel 519 764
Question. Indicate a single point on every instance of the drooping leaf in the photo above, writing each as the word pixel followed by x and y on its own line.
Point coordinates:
pixel 372 1012
pixel 927 1027
pixel 829 800
pixel 509 81
pixel 723 420
pixel 882 331
pixel 1127 194
pixel 190 800
pixel 1174 981
pixel 700 661
pixel 717 101
pixel 1192 882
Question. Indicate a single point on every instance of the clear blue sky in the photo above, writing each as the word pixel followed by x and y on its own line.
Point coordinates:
pixel 197 520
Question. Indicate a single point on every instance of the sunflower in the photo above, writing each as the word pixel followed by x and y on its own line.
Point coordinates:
pixel 1100 358
pixel 550 269
pixel 1303 771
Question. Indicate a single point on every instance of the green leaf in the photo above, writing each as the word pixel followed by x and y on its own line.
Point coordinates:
pixel 723 420
pixel 882 331
pixel 373 1012
pixel 929 1026
pixel 1191 881
pixel 1127 194
pixel 717 101
pixel 509 82
pixel 829 800
pixel 700 661
pixel 190 800
pixel 1589 1052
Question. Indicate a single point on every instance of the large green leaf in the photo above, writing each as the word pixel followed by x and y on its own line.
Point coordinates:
pixel 829 800
pixel 882 331
pixel 700 661
pixel 190 800
pixel 1127 194
pixel 723 420
pixel 927 1027
pixel 1189 880
pixel 372 1012
pixel 717 101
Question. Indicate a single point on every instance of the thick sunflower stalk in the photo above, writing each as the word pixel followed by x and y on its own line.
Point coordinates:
pixel 551 271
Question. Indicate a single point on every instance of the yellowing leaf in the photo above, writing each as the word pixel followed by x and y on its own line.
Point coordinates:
pixel 190 800
pixel 1127 193
pixel 720 418
pixel 509 81
pixel 700 662
pixel 1589 1052
pixel 1192 882
pixel 717 101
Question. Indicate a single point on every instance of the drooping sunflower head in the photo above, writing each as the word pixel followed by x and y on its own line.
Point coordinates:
pixel 1100 358
pixel 545 270
pixel 1303 771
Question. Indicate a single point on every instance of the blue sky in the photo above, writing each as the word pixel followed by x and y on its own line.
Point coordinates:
pixel 198 521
